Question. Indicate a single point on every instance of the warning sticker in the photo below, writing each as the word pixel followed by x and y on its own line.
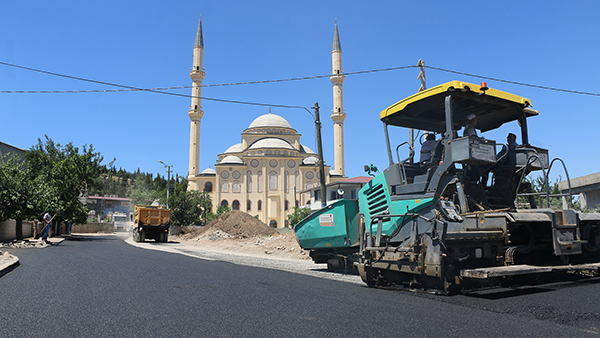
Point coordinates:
pixel 326 220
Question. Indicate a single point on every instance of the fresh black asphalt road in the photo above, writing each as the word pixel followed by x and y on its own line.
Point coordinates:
pixel 100 286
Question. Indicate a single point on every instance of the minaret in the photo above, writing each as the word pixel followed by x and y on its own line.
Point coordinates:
pixel 195 112
pixel 338 115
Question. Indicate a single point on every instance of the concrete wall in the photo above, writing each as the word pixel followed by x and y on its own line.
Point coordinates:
pixel 90 228
pixel 8 230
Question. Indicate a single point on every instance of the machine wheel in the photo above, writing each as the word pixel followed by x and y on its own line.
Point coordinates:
pixel 367 275
pixel 591 233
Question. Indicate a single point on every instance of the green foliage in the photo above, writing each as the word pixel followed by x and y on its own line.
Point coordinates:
pixel 189 207
pixel 140 192
pixel 59 174
pixel 298 215
pixel 222 210
pixel 19 195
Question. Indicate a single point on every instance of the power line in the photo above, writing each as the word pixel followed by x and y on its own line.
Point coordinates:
pixel 148 90
pixel 161 89
pixel 513 82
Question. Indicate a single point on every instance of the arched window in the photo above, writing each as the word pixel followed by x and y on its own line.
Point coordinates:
pixel 273 223
pixel 286 179
pixel 235 205
pixel 224 187
pixel 259 205
pixel 297 204
pixel 208 186
pixel 259 181
pixel 287 205
pixel 248 205
pixel 273 181
pixel 235 187
pixel 224 203
pixel 249 181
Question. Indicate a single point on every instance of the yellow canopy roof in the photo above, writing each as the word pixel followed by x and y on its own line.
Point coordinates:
pixel 426 110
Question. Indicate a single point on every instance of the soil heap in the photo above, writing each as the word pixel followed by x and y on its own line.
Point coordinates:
pixel 235 225
pixel 241 233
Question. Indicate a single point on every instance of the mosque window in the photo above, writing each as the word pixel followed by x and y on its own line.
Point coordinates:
pixel 259 205
pixel 291 163
pixel 249 181
pixel 224 203
pixel 224 187
pixel 248 205
pixel 236 175
pixel 297 174
pixel 208 187
pixel 297 204
pixel 273 181
pixel 286 181
pixel 273 224
pixel 235 187
pixel 287 205
pixel 235 205
pixel 259 189
pixel 254 163
pixel 273 163
pixel 224 174
pixel 309 175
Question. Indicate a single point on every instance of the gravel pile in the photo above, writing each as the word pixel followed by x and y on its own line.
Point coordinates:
pixel 23 244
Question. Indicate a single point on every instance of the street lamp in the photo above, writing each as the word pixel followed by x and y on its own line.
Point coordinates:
pixel 168 179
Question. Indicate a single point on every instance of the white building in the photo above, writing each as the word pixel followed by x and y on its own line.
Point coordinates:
pixel 264 174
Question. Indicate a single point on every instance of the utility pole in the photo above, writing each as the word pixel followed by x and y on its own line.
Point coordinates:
pixel 321 162
pixel 168 179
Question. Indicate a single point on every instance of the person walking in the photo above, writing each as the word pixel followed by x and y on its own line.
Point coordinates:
pixel 48 217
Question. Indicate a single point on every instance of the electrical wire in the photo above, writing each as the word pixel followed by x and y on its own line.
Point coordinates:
pixel 148 90
pixel 160 90
pixel 513 82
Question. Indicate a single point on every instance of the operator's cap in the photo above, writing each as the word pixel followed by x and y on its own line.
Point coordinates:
pixel 470 117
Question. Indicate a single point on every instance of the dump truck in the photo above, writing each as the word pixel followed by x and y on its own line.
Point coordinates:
pixel 151 222
pixel 467 217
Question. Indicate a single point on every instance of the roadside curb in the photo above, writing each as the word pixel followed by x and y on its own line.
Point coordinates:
pixel 7 263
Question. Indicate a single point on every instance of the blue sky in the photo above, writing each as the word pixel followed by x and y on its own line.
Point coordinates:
pixel 149 44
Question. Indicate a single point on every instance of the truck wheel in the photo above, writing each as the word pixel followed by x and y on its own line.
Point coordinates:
pixel 142 236
pixel 165 238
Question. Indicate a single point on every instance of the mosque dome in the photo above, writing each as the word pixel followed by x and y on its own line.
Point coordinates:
pixel 306 149
pixel 209 171
pixel 310 160
pixel 236 148
pixel 270 120
pixel 231 160
pixel 271 142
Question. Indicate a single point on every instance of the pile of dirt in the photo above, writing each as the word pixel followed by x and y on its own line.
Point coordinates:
pixel 233 225
pixel 240 233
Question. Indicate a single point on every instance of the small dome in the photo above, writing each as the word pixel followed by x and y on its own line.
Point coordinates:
pixel 271 142
pixel 310 160
pixel 236 148
pixel 209 171
pixel 231 160
pixel 305 149
pixel 270 120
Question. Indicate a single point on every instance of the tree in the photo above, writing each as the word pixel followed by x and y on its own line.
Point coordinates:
pixel 19 195
pixel 298 215
pixel 59 174
pixel 140 192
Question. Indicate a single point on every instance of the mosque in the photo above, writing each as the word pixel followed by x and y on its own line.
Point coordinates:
pixel 270 171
